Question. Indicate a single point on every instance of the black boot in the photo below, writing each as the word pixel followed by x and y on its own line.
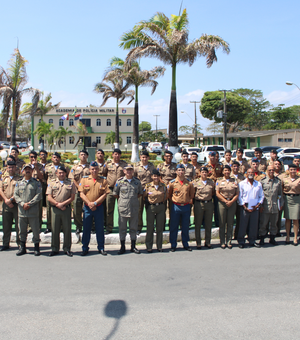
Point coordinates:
pixel 37 249
pixel 122 249
pixel 22 249
pixel 272 240
pixel 133 249
pixel 262 241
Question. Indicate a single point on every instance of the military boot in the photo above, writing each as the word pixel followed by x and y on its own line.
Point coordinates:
pixel 22 249
pixel 262 241
pixel 122 249
pixel 133 249
pixel 37 249
pixel 272 240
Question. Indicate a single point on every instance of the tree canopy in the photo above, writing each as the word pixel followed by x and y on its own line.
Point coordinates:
pixel 145 126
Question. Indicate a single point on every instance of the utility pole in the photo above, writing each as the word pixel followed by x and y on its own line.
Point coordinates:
pixel 156 126
pixel 195 102
pixel 225 118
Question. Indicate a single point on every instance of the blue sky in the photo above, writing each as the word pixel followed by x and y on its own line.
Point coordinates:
pixel 69 43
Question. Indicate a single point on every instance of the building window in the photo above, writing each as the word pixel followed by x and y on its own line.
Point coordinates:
pixel 61 122
pixel 71 122
pixel 128 122
pixel 120 122
pixel 128 139
pixel 288 140
pixel 50 121
pixel 98 140
pixel 108 122
pixel 280 140
pixel 98 122
pixel 71 140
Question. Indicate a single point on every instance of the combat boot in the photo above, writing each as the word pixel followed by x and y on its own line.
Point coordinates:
pixel 22 249
pixel 262 241
pixel 272 240
pixel 122 249
pixel 37 249
pixel 133 249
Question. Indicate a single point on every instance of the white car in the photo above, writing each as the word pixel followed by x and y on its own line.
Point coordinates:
pixel 184 145
pixel 288 152
pixel 155 147
pixel 192 149
pixel 206 149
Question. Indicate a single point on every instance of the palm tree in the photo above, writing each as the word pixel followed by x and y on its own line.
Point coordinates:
pixel 43 130
pixel 81 130
pixel 117 88
pixel 61 135
pixel 167 40
pixel 12 83
pixel 133 75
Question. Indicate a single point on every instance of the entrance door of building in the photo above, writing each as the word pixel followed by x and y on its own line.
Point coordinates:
pixel 87 141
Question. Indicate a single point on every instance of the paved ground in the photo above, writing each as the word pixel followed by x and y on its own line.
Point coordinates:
pixel 203 294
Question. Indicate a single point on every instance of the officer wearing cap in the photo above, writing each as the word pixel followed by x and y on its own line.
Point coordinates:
pixel 143 171
pixel 167 170
pixel 244 165
pixel 181 192
pixel 197 166
pixel 61 193
pixel 15 153
pixel 79 171
pixel 43 154
pixel 291 190
pixel 203 208
pixel 258 175
pixel 28 193
pixel 296 161
pixel 262 162
pixel 238 177
pixel 9 207
pixel 269 210
pixel 115 170
pixel 4 171
pixel 227 160
pixel 127 190
pixel 155 195
pixel 227 191
pixel 273 155
pixel 190 172
pixel 50 174
pixel 93 190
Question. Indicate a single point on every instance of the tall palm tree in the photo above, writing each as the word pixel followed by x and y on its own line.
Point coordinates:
pixel 133 75
pixel 81 130
pixel 43 130
pixel 167 40
pixel 12 83
pixel 117 88
pixel 43 107
pixel 61 136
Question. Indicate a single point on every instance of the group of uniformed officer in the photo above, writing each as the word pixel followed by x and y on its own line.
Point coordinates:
pixel 254 192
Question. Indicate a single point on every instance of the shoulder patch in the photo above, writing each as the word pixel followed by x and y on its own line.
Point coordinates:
pixel 173 180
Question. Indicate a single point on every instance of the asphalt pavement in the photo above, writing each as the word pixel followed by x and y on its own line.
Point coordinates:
pixel 204 294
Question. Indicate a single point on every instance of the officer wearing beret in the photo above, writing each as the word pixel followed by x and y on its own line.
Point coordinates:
pixel 181 192
pixel 4 171
pixel 262 162
pixel 79 171
pixel 273 155
pixel 296 161
pixel 197 166
pixel 227 191
pixel 244 165
pixel 93 190
pixel 61 193
pixel 143 171
pixel 15 153
pixel 204 208
pixel 50 174
pixel 155 195
pixel 115 170
pixel 190 172
pixel 127 190
pixel 258 175
pixel 28 193
pixel 9 207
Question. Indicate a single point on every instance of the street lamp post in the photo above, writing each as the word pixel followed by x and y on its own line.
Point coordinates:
pixel 195 102
pixel 225 118
pixel 290 83
pixel 156 126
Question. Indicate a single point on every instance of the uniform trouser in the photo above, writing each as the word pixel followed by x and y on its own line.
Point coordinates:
pixel 48 214
pixel 110 208
pixel 61 219
pixel 168 208
pixel 265 219
pixel 133 226
pixel 248 220
pixel 278 223
pixel 44 189
pixel 155 213
pixel 226 219
pixel 205 210
pixel 8 215
pixel 184 213
pixel 141 210
pixel 216 214
pixel 237 220
pixel 34 224
pixel 77 211
pixel 41 213
pixel 88 216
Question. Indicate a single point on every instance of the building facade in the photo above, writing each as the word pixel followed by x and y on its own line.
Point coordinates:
pixel 99 121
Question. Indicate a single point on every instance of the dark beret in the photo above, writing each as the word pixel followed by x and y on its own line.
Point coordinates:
pixel 10 163
pixel 12 157
pixel 227 167
pixel 228 151
pixel 84 151
pixel 293 166
pixel 168 152
pixel 204 168
pixel 57 154
pixel 155 172
pixel 101 151
pixel 297 157
pixel 94 163
pixel 33 153
pixel 145 153
pixel 240 150
pixel 16 149
pixel 258 150
pixel 235 163
pixel 184 152
pixel 117 151
pixel 43 151
pixel 180 166
pixel 274 151
pixel 61 167
pixel 194 154
pixel 212 153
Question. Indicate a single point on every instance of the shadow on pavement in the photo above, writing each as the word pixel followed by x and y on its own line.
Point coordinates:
pixel 115 309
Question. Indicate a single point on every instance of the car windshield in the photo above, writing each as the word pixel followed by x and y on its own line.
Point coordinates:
pixel 249 154
pixel 215 148
pixel 194 149
pixel 279 150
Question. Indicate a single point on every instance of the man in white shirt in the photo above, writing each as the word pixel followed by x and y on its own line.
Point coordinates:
pixel 250 199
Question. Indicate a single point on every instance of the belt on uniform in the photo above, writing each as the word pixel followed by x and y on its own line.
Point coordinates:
pixel 98 205
pixel 292 195
pixel 203 201
pixel 156 203
pixel 181 204
pixel 228 199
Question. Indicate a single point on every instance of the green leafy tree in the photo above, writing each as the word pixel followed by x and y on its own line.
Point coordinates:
pixel 110 139
pixel 166 39
pixel 215 128
pixel 237 108
pixel 81 131
pixel 24 127
pixel 60 136
pixel 186 129
pixel 282 118
pixel 12 83
pixel 43 130
pixel 145 126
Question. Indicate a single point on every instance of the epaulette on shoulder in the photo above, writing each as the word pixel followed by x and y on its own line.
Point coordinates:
pixel 119 179
pixel 219 178
pixel 188 179
pixel 173 180
pixel 264 177
pixel 85 176
pixel 53 180
pixel 147 185
pixel 102 177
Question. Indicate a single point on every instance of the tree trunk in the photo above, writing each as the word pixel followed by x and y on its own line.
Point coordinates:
pixel 173 131
pixel 13 125
pixel 117 139
pixel 135 144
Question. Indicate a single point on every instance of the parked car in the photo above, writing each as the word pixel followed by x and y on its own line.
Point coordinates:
pixel 5 145
pixel 287 151
pixel 155 147
pixel 23 145
pixel 143 145
pixel 286 160
pixel 206 149
pixel 184 145
pixel 192 149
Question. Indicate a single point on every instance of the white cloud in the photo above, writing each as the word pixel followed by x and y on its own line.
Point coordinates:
pixel 284 97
